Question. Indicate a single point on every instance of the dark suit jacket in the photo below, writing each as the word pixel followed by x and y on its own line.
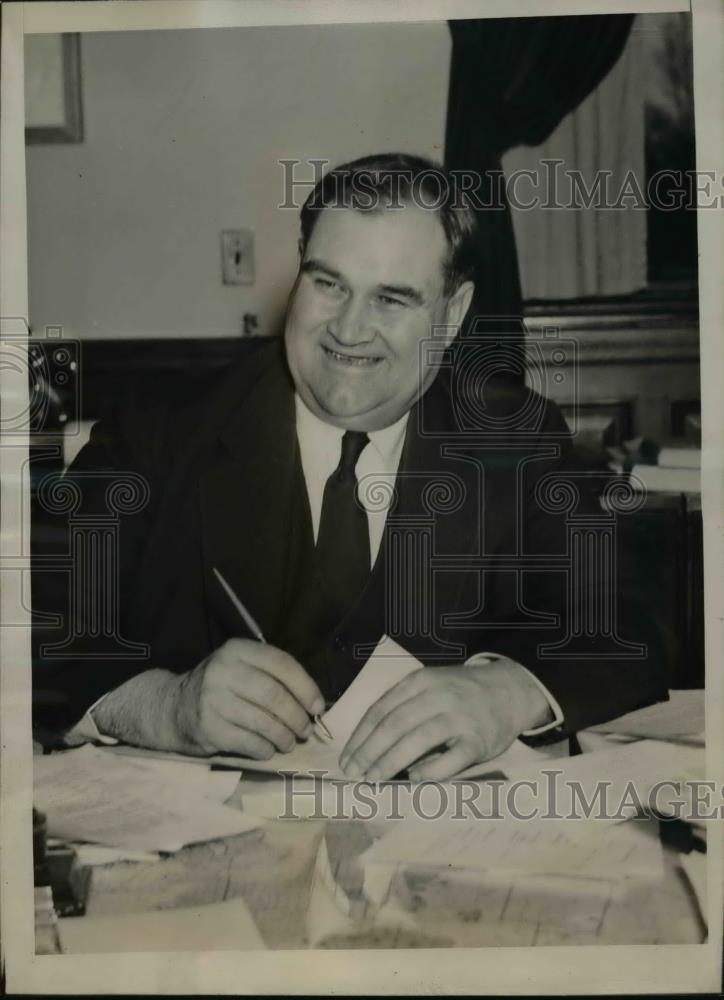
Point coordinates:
pixel 223 477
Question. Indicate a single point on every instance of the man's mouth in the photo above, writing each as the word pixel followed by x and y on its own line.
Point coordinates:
pixel 352 360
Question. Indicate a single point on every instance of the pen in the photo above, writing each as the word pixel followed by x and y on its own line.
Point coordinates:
pixel 248 620
pixel 257 633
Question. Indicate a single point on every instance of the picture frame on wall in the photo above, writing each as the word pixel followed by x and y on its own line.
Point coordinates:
pixel 53 92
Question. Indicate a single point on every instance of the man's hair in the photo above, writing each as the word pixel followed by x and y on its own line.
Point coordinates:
pixel 392 181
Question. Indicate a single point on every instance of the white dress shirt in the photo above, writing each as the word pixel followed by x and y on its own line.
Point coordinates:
pixel 320 447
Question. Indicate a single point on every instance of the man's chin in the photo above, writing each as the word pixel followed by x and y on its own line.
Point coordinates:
pixel 351 421
pixel 350 414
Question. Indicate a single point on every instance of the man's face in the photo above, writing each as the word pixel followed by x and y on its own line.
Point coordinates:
pixel 369 290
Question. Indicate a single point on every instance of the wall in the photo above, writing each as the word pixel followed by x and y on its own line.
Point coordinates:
pixel 183 130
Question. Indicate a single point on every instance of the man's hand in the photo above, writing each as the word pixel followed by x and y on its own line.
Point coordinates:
pixel 247 698
pixel 475 712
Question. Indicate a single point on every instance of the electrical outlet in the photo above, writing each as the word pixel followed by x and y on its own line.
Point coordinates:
pixel 237 257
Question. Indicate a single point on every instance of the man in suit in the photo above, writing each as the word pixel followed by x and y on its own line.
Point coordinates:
pixel 273 476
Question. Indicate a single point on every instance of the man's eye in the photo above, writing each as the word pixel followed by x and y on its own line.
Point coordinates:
pixel 390 302
pixel 327 284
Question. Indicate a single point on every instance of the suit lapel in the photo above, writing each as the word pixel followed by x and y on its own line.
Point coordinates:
pixel 245 505
pixel 431 465
pixel 438 479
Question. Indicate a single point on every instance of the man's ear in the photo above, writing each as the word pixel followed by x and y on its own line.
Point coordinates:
pixel 457 307
pixel 300 248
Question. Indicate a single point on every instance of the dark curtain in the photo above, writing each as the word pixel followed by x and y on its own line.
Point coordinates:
pixel 512 80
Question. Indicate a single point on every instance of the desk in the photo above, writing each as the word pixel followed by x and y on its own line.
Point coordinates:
pixel 280 872
pixel 274 870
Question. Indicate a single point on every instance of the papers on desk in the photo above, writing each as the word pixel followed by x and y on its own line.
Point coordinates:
pixel 640 765
pixel 608 850
pixel 583 848
pixel 682 717
pixel 274 797
pixel 632 773
pixel 91 795
pixel 94 855
pixel 563 859
pixel 227 926
pixel 566 857
pixel 195 776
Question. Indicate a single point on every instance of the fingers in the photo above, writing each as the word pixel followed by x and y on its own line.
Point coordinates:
pixel 408 732
pixel 415 744
pixel 247 700
pixel 236 739
pixel 409 687
pixel 446 765
pixel 264 692
pixel 244 715
pixel 281 666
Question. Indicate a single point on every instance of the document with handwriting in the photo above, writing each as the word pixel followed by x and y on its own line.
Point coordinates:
pixel 546 847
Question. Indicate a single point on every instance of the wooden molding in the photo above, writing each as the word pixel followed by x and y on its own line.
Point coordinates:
pixel 611 344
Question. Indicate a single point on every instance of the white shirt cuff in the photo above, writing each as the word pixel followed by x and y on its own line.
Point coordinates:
pixel 86 731
pixel 481 658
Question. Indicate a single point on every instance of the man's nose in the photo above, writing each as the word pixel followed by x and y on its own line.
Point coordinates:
pixel 351 323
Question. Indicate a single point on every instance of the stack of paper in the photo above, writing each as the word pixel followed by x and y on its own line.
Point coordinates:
pixel 657 478
pixel 596 849
pixel 94 796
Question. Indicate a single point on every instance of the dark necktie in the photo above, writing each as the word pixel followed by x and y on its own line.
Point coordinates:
pixel 343 541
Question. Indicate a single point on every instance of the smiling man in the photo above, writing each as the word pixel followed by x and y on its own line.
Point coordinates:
pixel 371 288
pixel 272 476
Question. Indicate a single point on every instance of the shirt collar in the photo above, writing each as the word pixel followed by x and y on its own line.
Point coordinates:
pixel 386 442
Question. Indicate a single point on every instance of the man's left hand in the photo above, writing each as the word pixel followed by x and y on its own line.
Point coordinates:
pixel 475 712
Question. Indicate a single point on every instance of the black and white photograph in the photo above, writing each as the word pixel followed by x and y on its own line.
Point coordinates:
pixel 362 488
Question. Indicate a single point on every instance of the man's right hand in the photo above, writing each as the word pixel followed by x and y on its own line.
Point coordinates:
pixel 246 698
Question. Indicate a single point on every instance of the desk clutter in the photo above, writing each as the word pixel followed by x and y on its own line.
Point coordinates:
pixel 134 803
pixel 177 848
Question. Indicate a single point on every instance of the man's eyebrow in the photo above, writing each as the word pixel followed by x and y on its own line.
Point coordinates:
pixel 318 265
pixel 405 292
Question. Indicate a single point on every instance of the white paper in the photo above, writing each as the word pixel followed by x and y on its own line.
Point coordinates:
pixel 680 717
pixel 641 763
pixel 679 457
pixel 90 795
pixel 230 762
pixel 92 855
pixel 560 847
pixel 517 756
pixel 187 778
pixel 387 666
pixel 227 926
pixel 656 477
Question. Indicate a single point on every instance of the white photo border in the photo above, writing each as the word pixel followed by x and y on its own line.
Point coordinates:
pixel 539 971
